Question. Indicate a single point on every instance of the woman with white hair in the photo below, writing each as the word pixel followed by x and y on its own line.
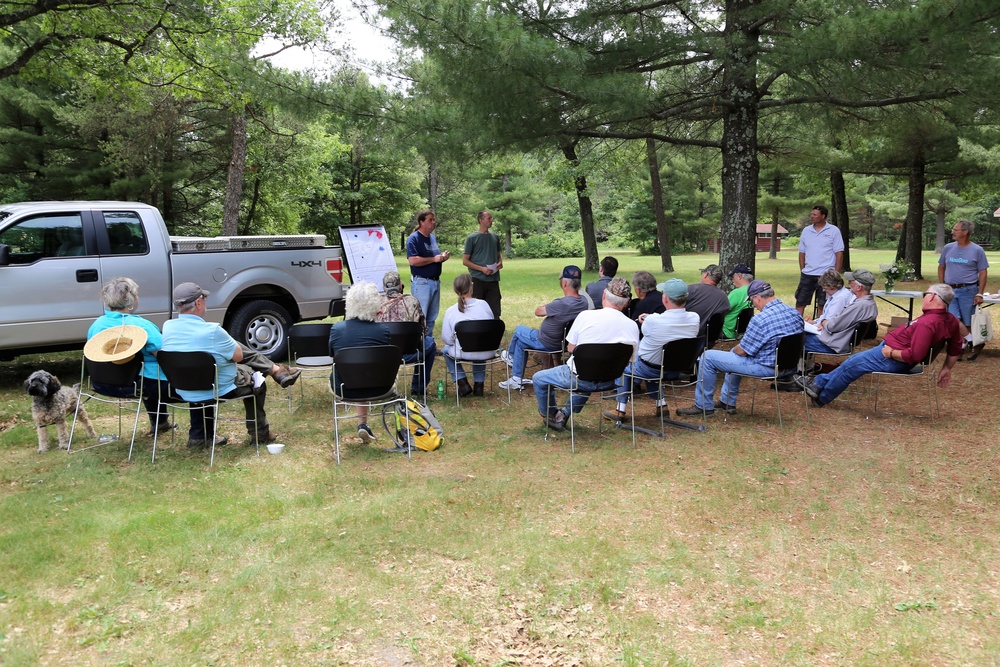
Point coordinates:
pixel 359 329
pixel 121 299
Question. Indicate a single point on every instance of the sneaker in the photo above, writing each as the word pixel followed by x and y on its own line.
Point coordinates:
pixel 662 411
pixel 513 383
pixel 975 351
pixel 693 411
pixel 504 357
pixel 286 376
pixel 365 433
pixel 198 443
pixel 557 420
pixel 728 409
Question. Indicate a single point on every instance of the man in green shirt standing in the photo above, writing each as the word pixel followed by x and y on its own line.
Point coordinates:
pixel 482 256
pixel 741 276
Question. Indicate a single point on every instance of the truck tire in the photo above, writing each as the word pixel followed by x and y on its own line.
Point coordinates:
pixel 263 327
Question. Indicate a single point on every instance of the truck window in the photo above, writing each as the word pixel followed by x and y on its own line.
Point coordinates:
pixel 32 239
pixel 125 233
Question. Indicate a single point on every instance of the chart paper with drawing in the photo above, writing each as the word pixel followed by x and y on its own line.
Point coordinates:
pixel 369 253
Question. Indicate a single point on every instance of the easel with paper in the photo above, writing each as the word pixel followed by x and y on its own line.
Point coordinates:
pixel 368 253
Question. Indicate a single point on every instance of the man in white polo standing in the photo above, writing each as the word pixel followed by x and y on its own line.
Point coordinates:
pixel 821 247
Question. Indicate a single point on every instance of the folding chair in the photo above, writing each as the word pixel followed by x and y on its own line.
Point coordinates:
pixel 681 357
pixel 601 364
pixel 714 330
pixel 309 349
pixel 480 336
pixel 742 321
pixel 862 331
pixel 555 355
pixel 789 355
pixel 197 371
pixel 409 338
pixel 126 382
pixel 364 376
pixel 924 371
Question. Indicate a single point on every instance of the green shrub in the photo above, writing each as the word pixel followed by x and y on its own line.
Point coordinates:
pixel 542 246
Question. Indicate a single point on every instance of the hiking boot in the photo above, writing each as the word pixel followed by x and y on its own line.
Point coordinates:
pixel 463 387
pixel 693 411
pixel 731 409
pixel 162 428
pixel 365 433
pixel 199 443
pixel 263 437
pixel 286 376
pixel 477 389
pixel 557 420
pixel 616 416
pixel 812 391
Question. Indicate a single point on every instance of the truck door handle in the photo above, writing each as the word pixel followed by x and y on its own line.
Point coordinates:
pixel 86 276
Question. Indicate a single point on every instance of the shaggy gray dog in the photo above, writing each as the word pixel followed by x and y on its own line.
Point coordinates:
pixel 52 403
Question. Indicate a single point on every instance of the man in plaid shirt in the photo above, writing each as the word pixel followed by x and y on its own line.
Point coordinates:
pixel 755 354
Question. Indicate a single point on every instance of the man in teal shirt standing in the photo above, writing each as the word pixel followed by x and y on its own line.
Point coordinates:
pixel 482 257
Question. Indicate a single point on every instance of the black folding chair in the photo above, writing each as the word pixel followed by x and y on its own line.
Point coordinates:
pixel 922 372
pixel 789 356
pixel 601 364
pixel 480 336
pixel 409 338
pixel 127 377
pixel 309 349
pixel 364 376
pixel 742 322
pixel 197 371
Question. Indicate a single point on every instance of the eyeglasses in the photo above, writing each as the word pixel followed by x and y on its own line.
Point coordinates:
pixel 930 294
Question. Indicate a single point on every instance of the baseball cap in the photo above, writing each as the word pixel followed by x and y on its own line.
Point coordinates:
pixel 756 287
pixel 187 293
pixel 674 288
pixel 391 282
pixel 713 271
pixel 863 276
pixel 572 272
pixel 618 287
pixel 740 268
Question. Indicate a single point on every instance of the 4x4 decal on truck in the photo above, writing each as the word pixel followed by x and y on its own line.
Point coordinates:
pixel 306 263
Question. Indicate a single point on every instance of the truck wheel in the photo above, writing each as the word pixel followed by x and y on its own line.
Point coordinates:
pixel 263 327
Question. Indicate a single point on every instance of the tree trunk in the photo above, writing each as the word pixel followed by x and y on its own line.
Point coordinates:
pixel 252 210
pixel 662 227
pixel 773 249
pixel 590 261
pixel 939 214
pixel 740 167
pixel 432 186
pixel 915 213
pixel 838 209
pixel 234 177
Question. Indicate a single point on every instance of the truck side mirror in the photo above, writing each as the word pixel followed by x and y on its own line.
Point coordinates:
pixel 4 254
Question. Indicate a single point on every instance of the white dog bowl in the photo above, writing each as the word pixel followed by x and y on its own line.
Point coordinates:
pixel 275 448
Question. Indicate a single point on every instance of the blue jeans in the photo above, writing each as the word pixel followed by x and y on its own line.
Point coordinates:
pixel 458 373
pixel 640 370
pixel 430 351
pixel 963 305
pixel 832 385
pixel 561 377
pixel 715 361
pixel 814 344
pixel 427 292
pixel 523 338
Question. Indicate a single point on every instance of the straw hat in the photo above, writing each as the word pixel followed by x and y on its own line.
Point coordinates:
pixel 117 344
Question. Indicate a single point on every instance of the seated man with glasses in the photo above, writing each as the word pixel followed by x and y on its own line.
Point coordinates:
pixel 900 351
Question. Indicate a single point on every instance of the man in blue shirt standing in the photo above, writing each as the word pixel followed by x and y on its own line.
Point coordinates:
pixel 821 247
pixel 963 266
pixel 425 258
pixel 754 355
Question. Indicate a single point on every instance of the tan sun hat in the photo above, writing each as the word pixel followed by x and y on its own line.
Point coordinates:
pixel 117 344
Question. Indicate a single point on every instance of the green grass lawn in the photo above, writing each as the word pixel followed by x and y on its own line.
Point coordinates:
pixel 841 540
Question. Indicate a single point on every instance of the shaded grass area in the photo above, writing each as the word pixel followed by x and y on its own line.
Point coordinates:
pixel 841 540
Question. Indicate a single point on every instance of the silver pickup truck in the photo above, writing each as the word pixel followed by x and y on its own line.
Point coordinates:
pixel 56 256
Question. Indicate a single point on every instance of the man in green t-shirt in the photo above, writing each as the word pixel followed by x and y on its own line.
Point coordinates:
pixel 482 256
pixel 741 276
